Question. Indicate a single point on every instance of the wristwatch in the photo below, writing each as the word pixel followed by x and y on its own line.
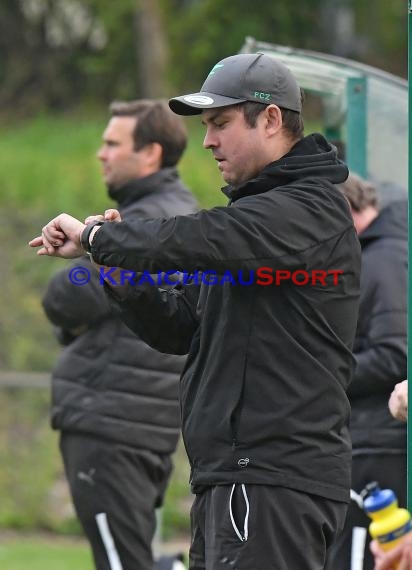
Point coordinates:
pixel 84 238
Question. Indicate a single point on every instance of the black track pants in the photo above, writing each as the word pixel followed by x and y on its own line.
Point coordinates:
pixel 260 527
pixel 115 491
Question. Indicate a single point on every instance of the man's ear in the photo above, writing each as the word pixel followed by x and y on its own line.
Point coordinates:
pixel 153 154
pixel 273 118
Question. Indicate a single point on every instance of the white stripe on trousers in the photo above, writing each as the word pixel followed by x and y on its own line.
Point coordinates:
pixel 358 537
pixel 358 547
pixel 112 554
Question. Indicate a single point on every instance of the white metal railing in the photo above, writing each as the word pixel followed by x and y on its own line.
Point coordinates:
pixel 17 379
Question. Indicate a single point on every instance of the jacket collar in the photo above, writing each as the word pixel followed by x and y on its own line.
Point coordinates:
pixel 135 189
pixel 392 222
pixel 313 156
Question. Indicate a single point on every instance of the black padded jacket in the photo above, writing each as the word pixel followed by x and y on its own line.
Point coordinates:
pixel 108 382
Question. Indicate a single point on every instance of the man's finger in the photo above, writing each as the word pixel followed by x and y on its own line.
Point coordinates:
pixel 42 251
pixel 96 218
pixel 47 242
pixel 112 215
pixel 53 235
pixel 390 560
pixel 35 242
pixel 406 559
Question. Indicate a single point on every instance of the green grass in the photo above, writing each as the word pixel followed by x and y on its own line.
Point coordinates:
pixel 49 165
pixel 29 554
pixel 178 498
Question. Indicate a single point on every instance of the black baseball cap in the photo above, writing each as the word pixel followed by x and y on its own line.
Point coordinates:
pixel 243 77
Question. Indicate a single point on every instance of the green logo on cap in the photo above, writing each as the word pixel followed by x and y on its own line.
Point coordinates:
pixel 215 67
pixel 262 96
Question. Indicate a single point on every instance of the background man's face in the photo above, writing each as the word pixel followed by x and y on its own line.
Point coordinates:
pixel 120 161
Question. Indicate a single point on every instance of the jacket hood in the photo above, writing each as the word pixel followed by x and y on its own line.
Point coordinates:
pixel 392 222
pixel 311 157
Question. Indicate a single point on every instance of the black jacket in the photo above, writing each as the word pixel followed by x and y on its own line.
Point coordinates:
pixel 381 342
pixel 107 382
pixel 263 392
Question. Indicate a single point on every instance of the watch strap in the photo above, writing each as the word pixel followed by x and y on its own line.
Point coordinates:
pixel 84 238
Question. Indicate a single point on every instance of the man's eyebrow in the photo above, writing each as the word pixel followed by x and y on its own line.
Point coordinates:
pixel 213 117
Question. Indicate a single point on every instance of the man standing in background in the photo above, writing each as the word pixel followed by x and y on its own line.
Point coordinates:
pixel 115 399
pixel 380 350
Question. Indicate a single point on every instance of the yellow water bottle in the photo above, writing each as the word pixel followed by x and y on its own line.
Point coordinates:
pixel 389 522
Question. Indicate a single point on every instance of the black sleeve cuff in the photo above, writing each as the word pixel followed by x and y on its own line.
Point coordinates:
pixel 84 239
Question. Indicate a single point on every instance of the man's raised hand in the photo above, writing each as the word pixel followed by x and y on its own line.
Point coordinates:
pixel 60 238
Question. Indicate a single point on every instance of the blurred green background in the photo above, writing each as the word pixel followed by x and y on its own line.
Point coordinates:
pixel 61 63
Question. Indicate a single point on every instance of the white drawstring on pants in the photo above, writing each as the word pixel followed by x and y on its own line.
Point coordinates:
pixel 246 521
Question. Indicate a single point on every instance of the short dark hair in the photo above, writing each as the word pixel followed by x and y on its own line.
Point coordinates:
pixel 292 120
pixel 360 193
pixel 155 123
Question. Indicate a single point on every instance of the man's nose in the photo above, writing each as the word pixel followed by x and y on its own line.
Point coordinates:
pixel 101 154
pixel 209 141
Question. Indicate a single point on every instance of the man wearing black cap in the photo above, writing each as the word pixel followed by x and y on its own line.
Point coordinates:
pixel 263 403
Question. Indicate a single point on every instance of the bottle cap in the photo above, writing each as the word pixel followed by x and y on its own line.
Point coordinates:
pixel 379 499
